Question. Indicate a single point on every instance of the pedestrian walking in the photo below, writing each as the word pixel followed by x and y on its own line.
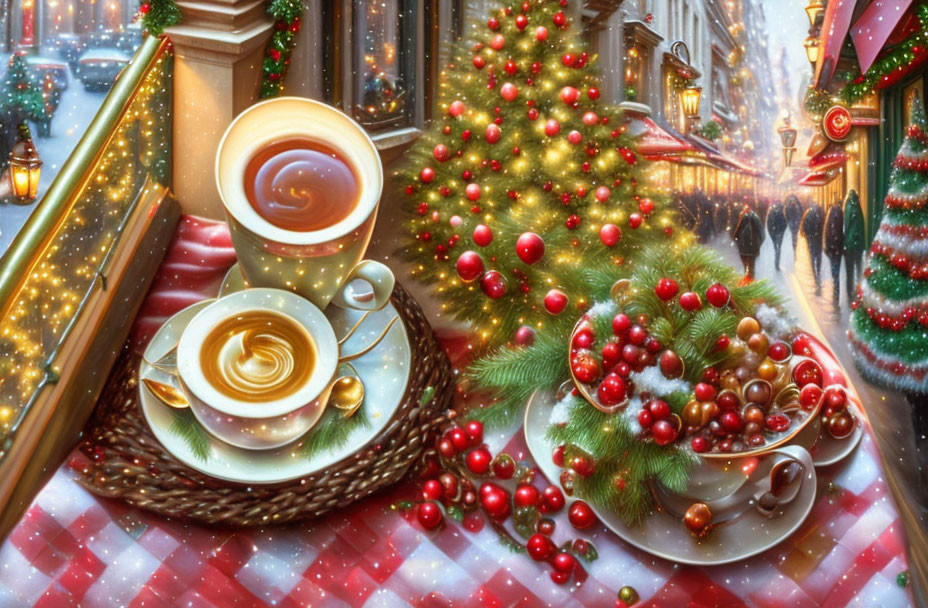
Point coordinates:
pixel 813 223
pixel 833 245
pixel 793 217
pixel 855 242
pixel 703 205
pixel 748 236
pixel 776 227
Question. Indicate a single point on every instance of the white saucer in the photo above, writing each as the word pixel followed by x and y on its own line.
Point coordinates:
pixel 384 371
pixel 665 536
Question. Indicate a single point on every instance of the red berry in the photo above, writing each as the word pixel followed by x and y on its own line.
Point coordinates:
pixel 493 23
pixel 526 495
pixel 580 514
pixel 810 396
pixel 585 368
pixel 704 392
pixel 620 324
pixel 612 390
pixel 559 578
pixel 540 548
pixel 835 397
pixel 728 401
pixel 666 289
pixel 637 335
pixel 659 409
pixel 731 421
pixel 432 490
pixel 778 351
pixel 478 461
pixel 552 499
pixel 584 338
pixel 449 484
pixel 503 466
pixel 560 19
pixel 645 419
pixel 699 444
pixel 722 342
pixel 494 500
pixel 429 515
pixel 582 465
pixel 652 345
pixel 777 422
pixel 474 430
pixel 557 456
pixel 717 295
pixel 663 432
pixel 689 301
pixel 808 372
pixel 564 562
pixel 446 448
pixel 459 438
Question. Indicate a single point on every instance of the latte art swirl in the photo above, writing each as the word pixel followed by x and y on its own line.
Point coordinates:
pixel 257 356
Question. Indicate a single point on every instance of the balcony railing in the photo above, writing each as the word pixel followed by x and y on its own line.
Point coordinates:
pixel 52 275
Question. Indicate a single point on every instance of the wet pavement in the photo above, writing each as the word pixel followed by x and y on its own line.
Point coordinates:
pixel 905 455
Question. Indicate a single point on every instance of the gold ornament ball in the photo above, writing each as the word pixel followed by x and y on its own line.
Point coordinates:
pixel 747 327
pixel 729 381
pixel 767 370
pixel 698 519
pixel 759 343
pixel 628 595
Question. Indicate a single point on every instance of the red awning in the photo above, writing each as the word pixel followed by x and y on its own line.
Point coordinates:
pixel 817 178
pixel 871 31
pixel 834 29
pixel 658 143
pixel 831 156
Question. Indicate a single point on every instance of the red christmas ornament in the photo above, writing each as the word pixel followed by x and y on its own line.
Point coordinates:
pixel 560 19
pixel 602 194
pixel 504 467
pixel 525 336
pixel 610 234
pixel 493 23
pixel 457 108
pixel 704 391
pixel 478 461
pixel 429 515
pixel 555 301
pixel 532 114
pixel 779 351
pixel 441 153
pixel 552 127
pixel 509 91
pixel 493 285
pixel 575 137
pixel 479 62
pixel 572 222
pixel 427 175
pixel 510 67
pixel 472 191
pixel 530 247
pixel 810 396
pixel 646 206
pixel 634 221
pixel 666 289
pixel 717 295
pixel 663 432
pixel 521 22
pixel 670 364
pixel 590 119
pixel 569 95
pixel 474 431
pixel 568 59
pixel 493 133
pixel 689 301
pixel 483 236
pixel 581 516
pixel 699 444
pixel 612 390
pixel 552 499
pixel 145 8
pixel 497 42
pixel 592 93
pixel 469 266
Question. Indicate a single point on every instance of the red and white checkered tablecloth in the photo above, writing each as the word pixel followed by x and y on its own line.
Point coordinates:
pixel 75 549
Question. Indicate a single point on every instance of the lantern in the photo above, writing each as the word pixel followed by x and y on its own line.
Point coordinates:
pixel 689 100
pixel 788 138
pixel 811 45
pixel 25 167
pixel 814 9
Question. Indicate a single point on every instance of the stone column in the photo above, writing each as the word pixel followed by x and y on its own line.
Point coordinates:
pixel 219 47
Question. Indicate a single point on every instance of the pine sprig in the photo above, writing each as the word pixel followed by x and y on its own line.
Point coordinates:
pixel 188 428
pixel 333 431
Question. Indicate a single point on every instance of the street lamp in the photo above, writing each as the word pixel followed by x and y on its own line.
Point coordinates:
pixel 689 101
pixel 811 45
pixel 788 138
pixel 814 9
pixel 25 168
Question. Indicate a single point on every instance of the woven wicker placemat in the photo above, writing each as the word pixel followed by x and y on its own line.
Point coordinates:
pixel 127 462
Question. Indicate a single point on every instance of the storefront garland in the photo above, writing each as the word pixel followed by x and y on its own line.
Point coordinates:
pixel 160 14
pixel 895 64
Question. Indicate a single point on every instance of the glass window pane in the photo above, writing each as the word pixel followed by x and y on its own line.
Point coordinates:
pixel 380 48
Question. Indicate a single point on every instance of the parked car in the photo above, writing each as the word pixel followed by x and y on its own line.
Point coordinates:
pixel 99 68
pixel 130 39
pixel 43 66
pixel 69 48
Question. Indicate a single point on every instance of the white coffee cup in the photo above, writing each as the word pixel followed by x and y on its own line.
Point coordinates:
pixel 320 265
pixel 267 424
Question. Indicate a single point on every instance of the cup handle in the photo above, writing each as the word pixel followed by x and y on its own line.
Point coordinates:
pixel 767 497
pixel 380 279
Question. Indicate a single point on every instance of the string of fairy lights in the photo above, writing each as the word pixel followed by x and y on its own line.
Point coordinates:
pixel 67 272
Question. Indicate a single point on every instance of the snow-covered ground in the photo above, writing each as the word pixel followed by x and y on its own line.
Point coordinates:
pixel 75 111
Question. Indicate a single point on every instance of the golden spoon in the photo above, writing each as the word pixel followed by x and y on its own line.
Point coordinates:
pixel 166 394
pixel 348 392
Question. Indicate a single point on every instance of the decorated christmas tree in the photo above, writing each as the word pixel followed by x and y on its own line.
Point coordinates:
pixel 20 101
pixel 889 325
pixel 526 182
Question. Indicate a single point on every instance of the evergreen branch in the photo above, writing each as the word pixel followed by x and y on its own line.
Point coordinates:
pixel 333 430
pixel 188 428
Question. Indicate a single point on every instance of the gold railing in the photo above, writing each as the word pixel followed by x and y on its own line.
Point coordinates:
pixel 62 255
